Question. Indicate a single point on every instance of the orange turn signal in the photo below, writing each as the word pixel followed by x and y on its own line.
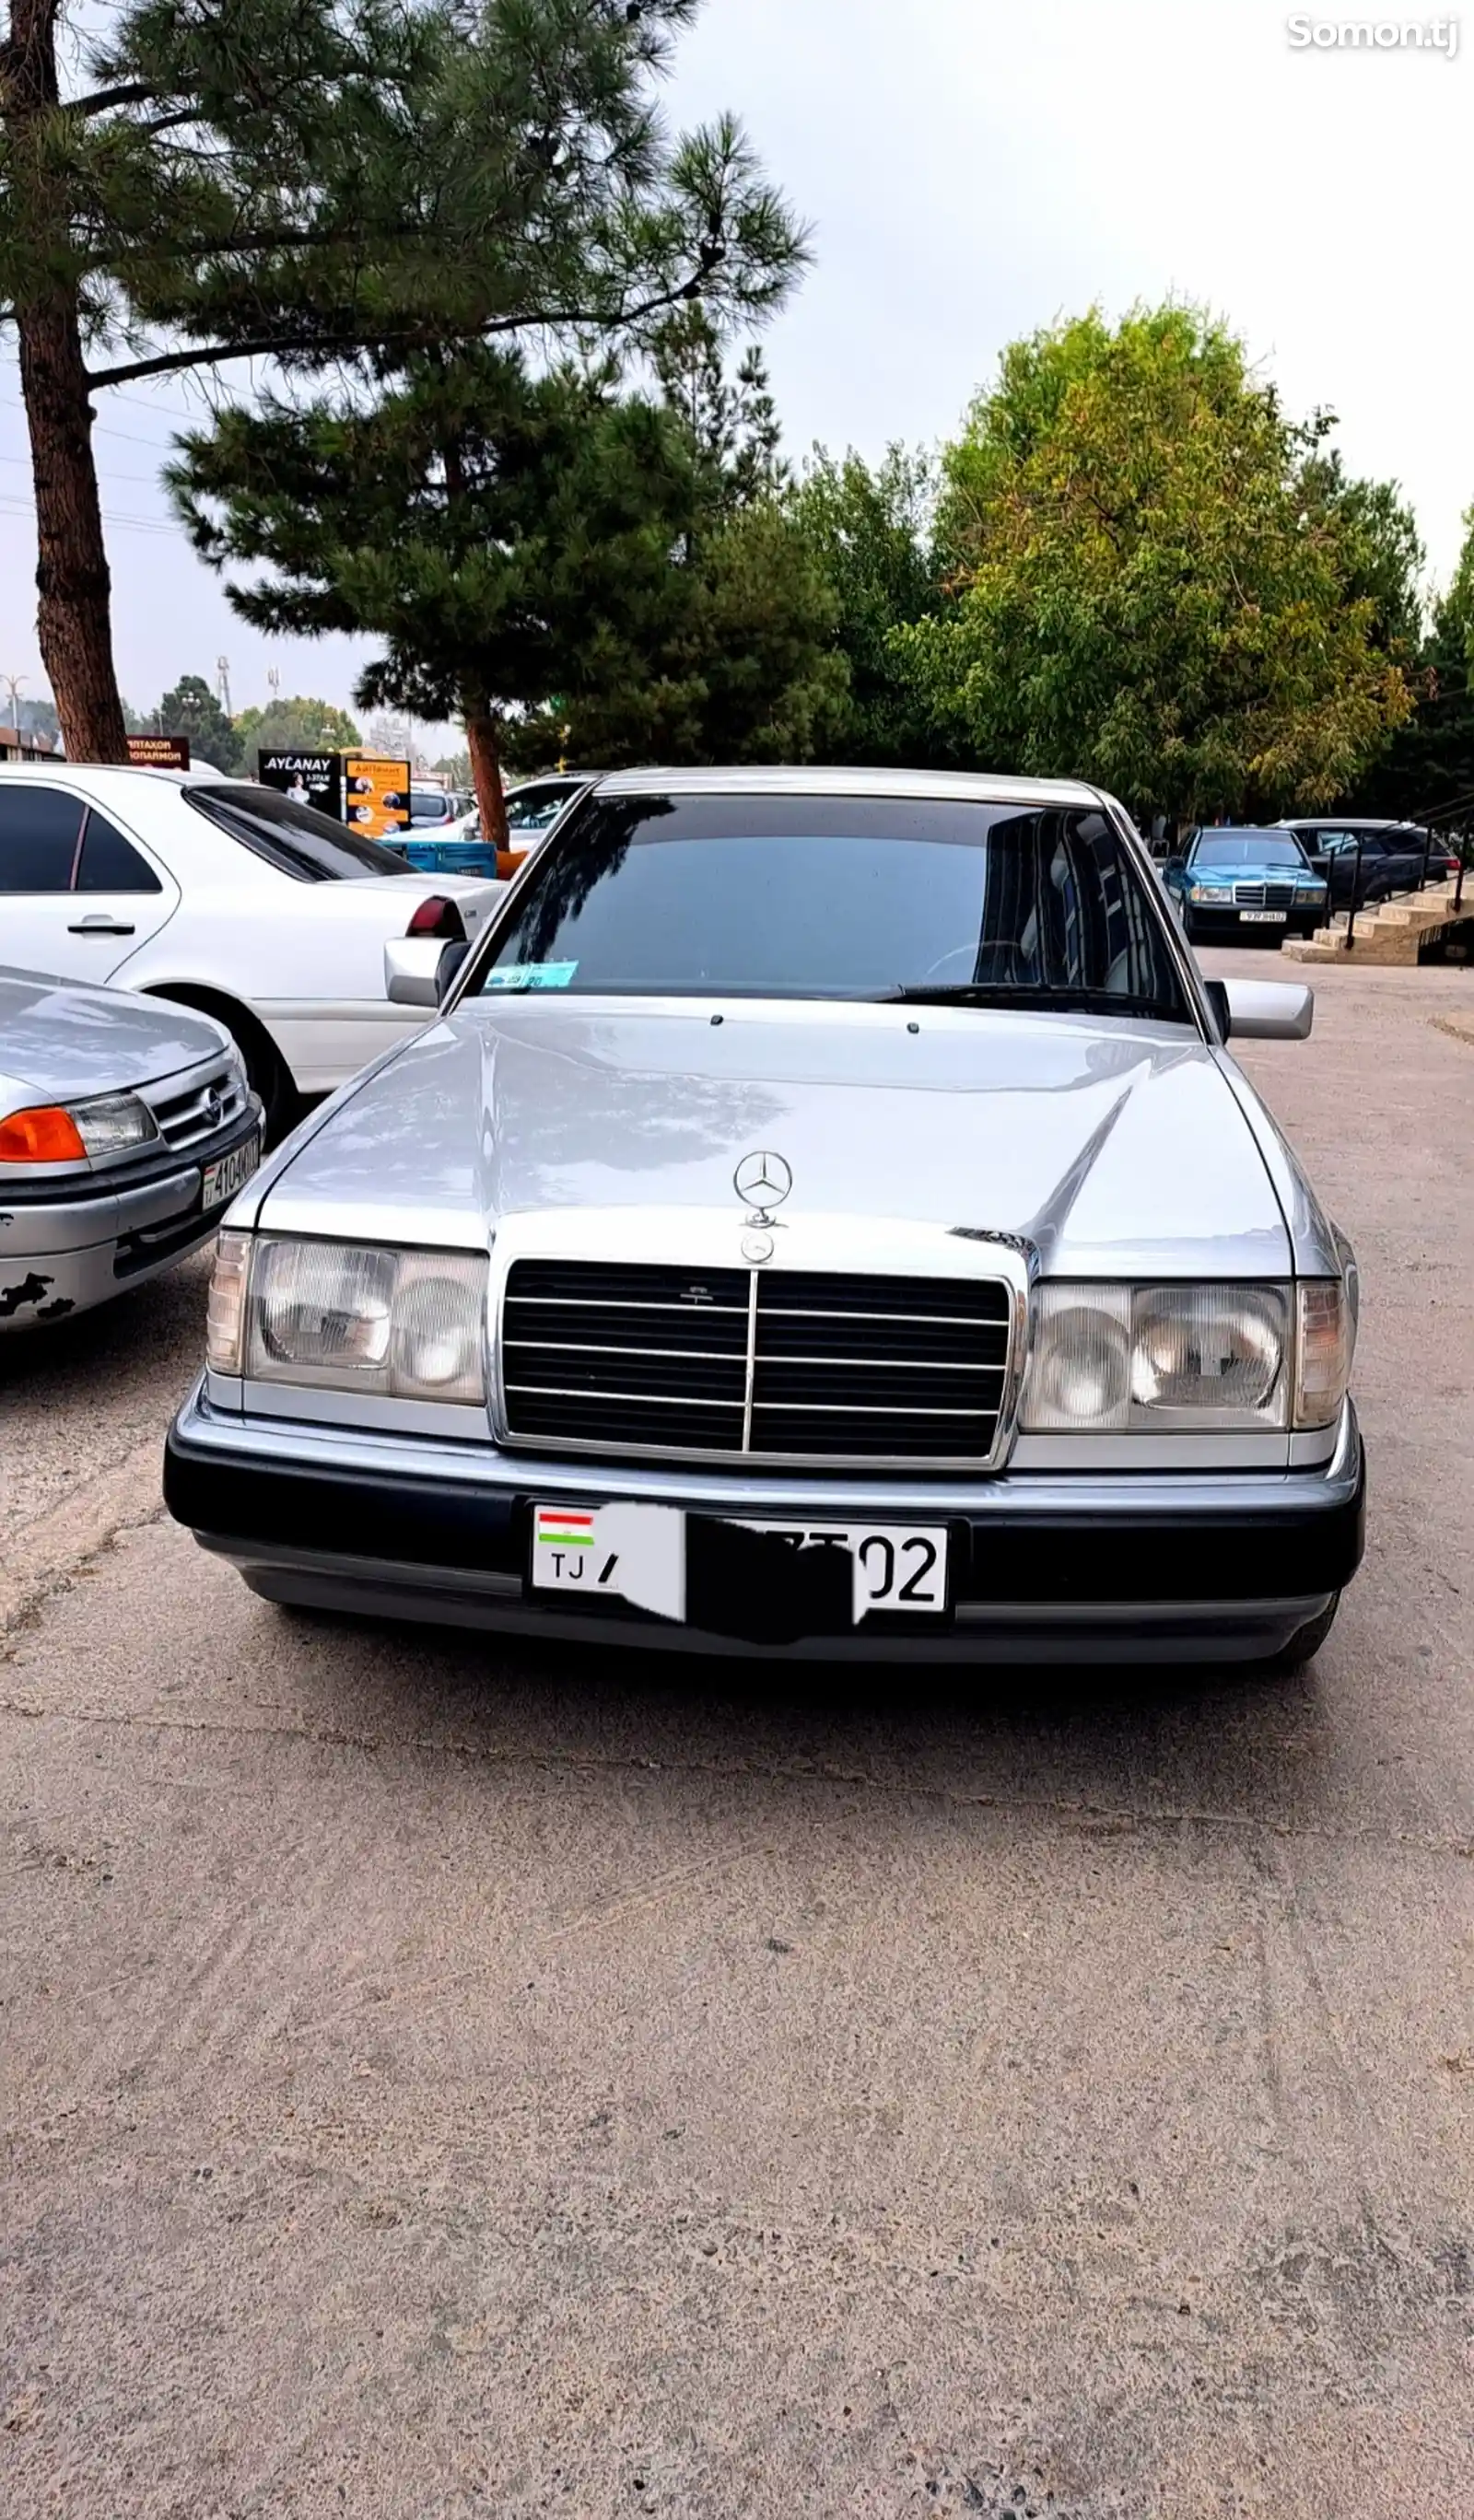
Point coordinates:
pixel 45 1136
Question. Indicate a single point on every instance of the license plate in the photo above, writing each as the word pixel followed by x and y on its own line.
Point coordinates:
pixel 225 1176
pixel 1265 918
pixel 637 1554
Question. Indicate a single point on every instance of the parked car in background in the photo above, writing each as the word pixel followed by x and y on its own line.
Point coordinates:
pixel 1391 857
pixel 532 809
pixel 432 809
pixel 824 1220
pixel 1232 884
pixel 127 1127
pixel 225 896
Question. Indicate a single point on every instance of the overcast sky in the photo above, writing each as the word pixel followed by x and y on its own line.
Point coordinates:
pixel 973 169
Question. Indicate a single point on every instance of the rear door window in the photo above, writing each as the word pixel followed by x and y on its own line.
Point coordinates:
pixel 293 838
pixel 40 833
pixel 110 863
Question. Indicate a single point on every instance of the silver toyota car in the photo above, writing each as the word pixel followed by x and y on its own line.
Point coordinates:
pixel 824 1219
pixel 126 1128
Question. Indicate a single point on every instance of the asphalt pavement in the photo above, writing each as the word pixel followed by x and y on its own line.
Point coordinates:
pixel 448 2077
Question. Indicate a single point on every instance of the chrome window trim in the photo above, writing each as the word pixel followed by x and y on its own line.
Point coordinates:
pixel 708 1240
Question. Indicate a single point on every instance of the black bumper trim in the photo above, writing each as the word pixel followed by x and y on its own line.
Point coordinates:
pixel 1289 1552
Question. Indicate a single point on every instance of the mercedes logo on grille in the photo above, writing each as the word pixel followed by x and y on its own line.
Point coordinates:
pixel 765 1181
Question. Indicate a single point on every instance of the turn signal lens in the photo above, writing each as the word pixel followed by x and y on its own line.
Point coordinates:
pixel 1322 1351
pixel 225 1312
pixel 46 1135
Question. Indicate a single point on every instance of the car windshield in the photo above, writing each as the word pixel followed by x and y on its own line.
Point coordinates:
pixel 839 897
pixel 1248 848
pixel 295 839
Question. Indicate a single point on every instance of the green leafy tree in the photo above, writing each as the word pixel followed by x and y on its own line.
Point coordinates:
pixel 331 186
pixel 37 717
pixel 871 535
pixel 1430 762
pixel 296 726
pixel 1154 588
pixel 191 709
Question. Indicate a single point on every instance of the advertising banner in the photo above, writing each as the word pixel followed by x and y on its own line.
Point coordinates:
pixel 376 795
pixel 312 777
pixel 158 752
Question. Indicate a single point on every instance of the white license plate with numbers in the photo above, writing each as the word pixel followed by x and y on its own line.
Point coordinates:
pixel 637 1554
pixel 1263 917
pixel 229 1173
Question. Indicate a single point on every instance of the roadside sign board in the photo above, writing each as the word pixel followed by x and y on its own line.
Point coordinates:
pixel 158 752
pixel 376 795
pixel 312 777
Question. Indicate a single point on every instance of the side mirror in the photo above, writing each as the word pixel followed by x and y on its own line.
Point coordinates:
pixel 1264 1009
pixel 452 956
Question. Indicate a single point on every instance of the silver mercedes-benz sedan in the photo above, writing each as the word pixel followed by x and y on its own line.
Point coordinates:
pixel 126 1128
pixel 825 1218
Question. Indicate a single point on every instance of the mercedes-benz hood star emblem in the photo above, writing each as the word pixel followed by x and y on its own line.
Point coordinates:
pixel 765 1181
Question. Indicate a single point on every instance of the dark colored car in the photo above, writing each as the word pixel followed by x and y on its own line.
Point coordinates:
pixel 1391 854
pixel 1230 884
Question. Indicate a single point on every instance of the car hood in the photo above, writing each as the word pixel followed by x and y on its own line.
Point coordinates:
pixel 1113 1146
pixel 59 1040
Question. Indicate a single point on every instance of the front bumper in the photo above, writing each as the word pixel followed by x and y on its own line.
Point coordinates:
pixel 65 1249
pixel 1205 1566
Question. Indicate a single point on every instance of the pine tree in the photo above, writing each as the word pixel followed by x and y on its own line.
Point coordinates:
pixel 506 536
pixel 334 184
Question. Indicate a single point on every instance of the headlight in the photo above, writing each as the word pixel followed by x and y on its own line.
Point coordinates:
pixel 1129 1358
pixel 1115 1359
pixel 1310 892
pixel 347 1317
pixel 51 1132
pixel 1210 892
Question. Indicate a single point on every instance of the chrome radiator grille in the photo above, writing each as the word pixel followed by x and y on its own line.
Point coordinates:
pixel 785 1364
pixel 1264 896
pixel 202 1109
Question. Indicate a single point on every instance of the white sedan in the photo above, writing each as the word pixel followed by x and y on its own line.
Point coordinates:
pixel 225 896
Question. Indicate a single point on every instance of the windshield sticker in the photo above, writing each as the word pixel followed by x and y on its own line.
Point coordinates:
pixel 530 975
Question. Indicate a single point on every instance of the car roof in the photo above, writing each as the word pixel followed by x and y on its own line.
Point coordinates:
pixel 84 774
pixel 982 786
pixel 1351 823
pixel 1245 832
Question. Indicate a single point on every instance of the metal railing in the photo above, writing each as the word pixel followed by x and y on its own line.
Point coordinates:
pixel 1457 815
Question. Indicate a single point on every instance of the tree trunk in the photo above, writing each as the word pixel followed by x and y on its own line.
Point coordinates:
pixel 485 774
pixel 74 612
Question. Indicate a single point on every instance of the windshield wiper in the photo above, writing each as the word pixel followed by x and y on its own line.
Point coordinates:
pixel 1030 996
